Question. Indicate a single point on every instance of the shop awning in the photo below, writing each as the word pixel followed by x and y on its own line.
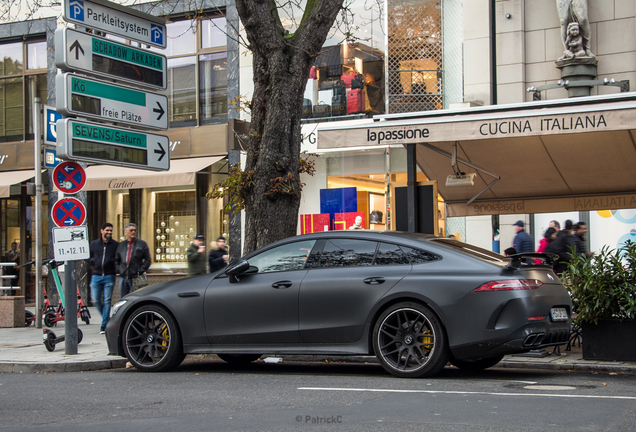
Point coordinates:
pixel 8 178
pixel 565 155
pixel 182 172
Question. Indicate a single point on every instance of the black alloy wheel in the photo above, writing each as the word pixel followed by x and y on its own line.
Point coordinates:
pixel 152 341
pixel 239 359
pixel 476 365
pixel 409 341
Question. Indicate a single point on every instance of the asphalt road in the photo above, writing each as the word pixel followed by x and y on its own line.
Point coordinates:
pixel 209 395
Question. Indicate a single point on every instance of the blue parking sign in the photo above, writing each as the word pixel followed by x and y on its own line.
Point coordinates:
pixel 50 117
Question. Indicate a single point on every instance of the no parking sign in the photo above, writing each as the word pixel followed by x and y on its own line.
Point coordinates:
pixel 69 177
pixel 68 212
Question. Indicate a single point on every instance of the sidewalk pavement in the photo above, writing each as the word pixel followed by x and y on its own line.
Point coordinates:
pixel 22 350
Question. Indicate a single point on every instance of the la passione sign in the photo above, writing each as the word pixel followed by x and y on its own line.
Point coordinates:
pixel 468 127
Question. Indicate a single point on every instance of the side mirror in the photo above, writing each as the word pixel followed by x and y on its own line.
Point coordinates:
pixel 237 267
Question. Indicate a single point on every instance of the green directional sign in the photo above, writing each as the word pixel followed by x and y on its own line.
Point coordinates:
pixel 84 52
pixel 81 96
pixel 94 142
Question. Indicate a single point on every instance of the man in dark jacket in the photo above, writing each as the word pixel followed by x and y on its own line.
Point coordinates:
pixel 102 259
pixel 218 255
pixel 196 256
pixel 577 240
pixel 132 259
pixel 522 242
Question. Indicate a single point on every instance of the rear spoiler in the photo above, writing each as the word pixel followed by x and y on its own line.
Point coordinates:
pixel 547 259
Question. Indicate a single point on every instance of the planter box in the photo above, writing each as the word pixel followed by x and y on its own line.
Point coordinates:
pixel 610 340
pixel 11 311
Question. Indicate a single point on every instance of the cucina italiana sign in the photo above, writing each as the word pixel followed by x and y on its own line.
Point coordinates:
pixel 467 127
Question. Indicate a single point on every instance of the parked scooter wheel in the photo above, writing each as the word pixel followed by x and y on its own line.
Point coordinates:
pixel 50 319
pixel 49 342
pixel 28 318
pixel 85 315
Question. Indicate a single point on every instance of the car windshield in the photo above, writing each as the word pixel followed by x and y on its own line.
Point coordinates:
pixel 473 250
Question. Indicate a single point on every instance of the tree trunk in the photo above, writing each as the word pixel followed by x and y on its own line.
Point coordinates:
pixel 281 67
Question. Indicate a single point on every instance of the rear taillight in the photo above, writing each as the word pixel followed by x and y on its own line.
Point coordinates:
pixel 508 285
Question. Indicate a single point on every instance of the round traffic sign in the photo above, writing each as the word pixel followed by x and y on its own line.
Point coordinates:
pixel 68 212
pixel 69 177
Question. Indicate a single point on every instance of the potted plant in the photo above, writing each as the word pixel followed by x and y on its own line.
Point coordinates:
pixel 603 289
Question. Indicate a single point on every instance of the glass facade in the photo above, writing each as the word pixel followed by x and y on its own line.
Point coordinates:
pixel 20 82
pixel 197 72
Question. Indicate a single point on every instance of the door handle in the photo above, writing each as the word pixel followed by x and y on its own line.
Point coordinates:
pixel 374 280
pixel 282 284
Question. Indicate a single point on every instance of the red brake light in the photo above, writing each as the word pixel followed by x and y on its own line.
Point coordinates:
pixel 508 285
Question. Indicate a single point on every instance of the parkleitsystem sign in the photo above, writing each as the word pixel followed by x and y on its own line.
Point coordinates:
pixel 115 19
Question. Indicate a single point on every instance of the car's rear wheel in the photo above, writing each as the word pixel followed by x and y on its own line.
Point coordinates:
pixel 409 341
pixel 476 365
pixel 152 341
pixel 239 359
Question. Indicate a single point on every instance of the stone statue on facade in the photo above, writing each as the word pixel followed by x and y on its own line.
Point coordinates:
pixel 575 30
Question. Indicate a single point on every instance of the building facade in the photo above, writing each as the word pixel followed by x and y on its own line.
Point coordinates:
pixel 168 207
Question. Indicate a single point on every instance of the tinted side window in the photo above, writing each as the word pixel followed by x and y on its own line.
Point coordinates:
pixel 283 258
pixel 417 256
pixel 347 253
pixel 390 254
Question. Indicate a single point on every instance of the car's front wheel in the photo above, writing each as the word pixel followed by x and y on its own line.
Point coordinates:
pixel 152 341
pixel 409 341
pixel 476 365
pixel 239 359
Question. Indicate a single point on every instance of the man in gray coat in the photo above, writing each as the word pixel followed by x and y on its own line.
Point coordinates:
pixel 132 259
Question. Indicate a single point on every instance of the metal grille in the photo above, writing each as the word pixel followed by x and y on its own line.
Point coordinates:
pixel 415 55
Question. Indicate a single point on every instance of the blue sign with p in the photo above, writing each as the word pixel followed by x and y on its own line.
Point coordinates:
pixel 50 117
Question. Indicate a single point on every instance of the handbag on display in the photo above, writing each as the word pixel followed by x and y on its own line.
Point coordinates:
pixel 339 88
pixel 375 217
pixel 139 281
pixel 307 108
pixel 338 105
pixel 313 73
pixel 357 82
pixel 322 110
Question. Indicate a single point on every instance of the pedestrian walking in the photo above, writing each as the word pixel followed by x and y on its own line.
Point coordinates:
pixel 522 241
pixel 548 237
pixel 577 240
pixel 102 258
pixel 218 255
pixel 132 259
pixel 560 247
pixel 196 256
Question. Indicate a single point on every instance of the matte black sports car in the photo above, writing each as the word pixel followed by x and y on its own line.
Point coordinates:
pixel 415 301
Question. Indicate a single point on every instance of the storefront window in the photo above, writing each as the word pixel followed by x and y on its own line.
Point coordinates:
pixel 12 61
pixel 174 226
pixel 36 55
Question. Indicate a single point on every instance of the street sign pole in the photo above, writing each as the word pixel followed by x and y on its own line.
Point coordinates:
pixel 39 294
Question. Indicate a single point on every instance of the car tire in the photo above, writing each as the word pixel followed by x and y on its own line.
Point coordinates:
pixel 476 365
pixel 239 359
pixel 410 341
pixel 151 340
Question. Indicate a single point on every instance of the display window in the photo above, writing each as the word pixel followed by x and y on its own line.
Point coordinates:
pixel 355 191
pixel 174 226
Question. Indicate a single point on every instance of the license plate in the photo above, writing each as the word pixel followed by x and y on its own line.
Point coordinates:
pixel 559 314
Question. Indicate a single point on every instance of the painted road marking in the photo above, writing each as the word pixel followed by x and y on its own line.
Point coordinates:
pixel 467 393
